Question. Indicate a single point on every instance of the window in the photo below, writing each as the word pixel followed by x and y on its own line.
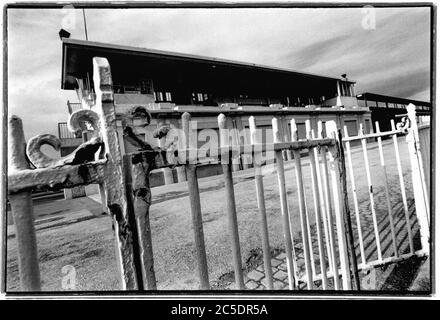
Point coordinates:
pixel 367 126
pixel 146 87
pixel 162 96
pixel 200 97
pixel 352 127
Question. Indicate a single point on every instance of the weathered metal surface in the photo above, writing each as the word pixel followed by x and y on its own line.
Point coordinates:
pixel 261 205
pixel 56 178
pixel 338 202
pixel 317 206
pixel 114 179
pixel 285 215
pixel 84 153
pixel 370 192
pixel 402 190
pixel 355 199
pixel 138 167
pixel 302 207
pixel 230 204
pixel 22 211
pixel 333 263
pixel 196 211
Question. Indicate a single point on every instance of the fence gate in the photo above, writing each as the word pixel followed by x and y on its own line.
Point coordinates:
pixel 390 237
pixel 328 254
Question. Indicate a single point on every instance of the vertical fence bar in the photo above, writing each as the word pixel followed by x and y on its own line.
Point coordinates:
pixel 286 137
pixel 234 143
pixel 355 199
pixel 196 211
pixel 309 236
pixel 402 188
pixel 339 207
pixel 230 200
pixel 325 201
pixel 302 207
pixel 346 211
pixel 22 211
pixel 283 199
pixel 114 177
pixel 424 136
pixel 370 192
pixel 138 188
pixel 420 197
pixel 317 205
pixel 331 222
pixel 261 204
pixel 387 192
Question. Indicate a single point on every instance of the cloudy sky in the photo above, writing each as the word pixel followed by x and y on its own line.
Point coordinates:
pixel 391 57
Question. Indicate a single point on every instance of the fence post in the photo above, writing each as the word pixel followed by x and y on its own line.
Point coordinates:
pixel 22 211
pixel 419 186
pixel 255 140
pixel 307 245
pixel 167 172
pixel 230 200
pixel 196 211
pixel 314 172
pixel 346 211
pixel 114 179
pixel 337 191
pixel 137 171
pixel 276 126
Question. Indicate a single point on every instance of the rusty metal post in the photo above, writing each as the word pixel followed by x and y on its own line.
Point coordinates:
pixel 114 178
pixel 230 202
pixel 137 168
pixel 339 203
pixel 346 210
pixel 285 215
pixel 196 211
pixel 167 172
pixel 22 211
pixel 256 140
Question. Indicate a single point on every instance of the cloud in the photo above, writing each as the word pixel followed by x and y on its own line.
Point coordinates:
pixel 392 59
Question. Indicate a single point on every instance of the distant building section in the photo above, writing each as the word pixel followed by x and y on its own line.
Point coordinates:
pixel 384 108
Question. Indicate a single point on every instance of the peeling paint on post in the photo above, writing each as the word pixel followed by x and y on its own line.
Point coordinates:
pixel 114 179
pixel 138 169
pixel 196 211
pixel 22 211
pixel 230 201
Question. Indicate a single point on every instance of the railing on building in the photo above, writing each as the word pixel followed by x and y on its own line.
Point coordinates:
pixel 73 106
pixel 68 138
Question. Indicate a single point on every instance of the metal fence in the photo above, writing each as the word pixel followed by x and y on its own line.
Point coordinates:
pixel 124 184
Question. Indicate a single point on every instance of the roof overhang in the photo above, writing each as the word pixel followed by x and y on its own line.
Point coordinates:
pixel 131 61
pixel 391 99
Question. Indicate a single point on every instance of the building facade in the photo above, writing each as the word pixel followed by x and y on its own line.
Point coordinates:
pixel 169 84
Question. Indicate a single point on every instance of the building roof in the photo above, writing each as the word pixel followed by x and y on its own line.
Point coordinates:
pixel 75 50
pixel 384 98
